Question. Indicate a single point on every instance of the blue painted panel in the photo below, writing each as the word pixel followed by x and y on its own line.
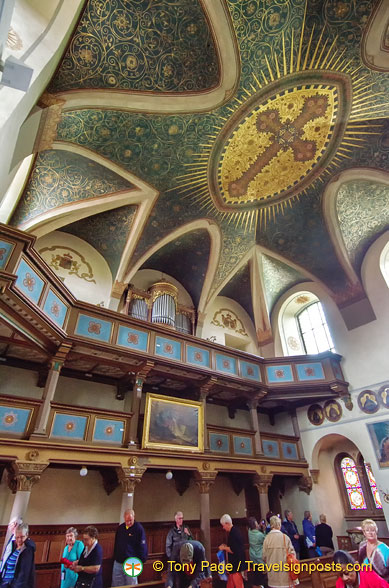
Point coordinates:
pixel 250 371
pixel 28 281
pixel 55 308
pixel 310 371
pixel 219 442
pixel 243 445
pixel 93 328
pixel 197 356
pixel 270 448
pixel 5 252
pixel 13 420
pixel 279 373
pixel 289 450
pixel 69 426
pixel 108 431
pixel 133 338
pixel 226 364
pixel 167 348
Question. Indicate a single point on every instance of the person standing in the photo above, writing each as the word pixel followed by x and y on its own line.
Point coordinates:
pixel 89 566
pixel 72 552
pixel 276 547
pixel 256 539
pixel 309 532
pixel 289 527
pixel 130 541
pixel 324 535
pixel 234 551
pixel 10 536
pixel 177 534
pixel 19 567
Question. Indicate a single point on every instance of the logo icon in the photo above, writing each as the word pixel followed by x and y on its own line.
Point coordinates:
pixel 132 567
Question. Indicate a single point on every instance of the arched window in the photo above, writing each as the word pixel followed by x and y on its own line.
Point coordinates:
pixel 384 263
pixel 303 325
pixel 358 487
pixel 314 330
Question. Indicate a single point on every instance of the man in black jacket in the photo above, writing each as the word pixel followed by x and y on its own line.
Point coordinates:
pixel 130 541
pixel 323 533
pixel 289 528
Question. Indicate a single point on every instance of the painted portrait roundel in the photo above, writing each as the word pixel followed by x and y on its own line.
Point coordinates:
pixel 279 140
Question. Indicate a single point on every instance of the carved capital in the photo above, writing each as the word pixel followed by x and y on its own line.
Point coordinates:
pixel 305 484
pixel 204 480
pixel 262 482
pixel 207 386
pixel 58 360
pixel 118 289
pixel 144 370
pixel 315 476
pixel 51 115
pixel 22 475
pixel 347 401
pixel 130 476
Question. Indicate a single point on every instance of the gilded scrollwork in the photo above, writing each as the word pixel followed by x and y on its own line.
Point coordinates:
pixel 228 319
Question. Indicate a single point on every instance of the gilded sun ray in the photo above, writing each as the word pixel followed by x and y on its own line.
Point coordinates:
pixel 287 130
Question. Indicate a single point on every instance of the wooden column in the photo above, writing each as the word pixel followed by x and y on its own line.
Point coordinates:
pixel 204 480
pixel 129 477
pixel 22 475
pixel 136 398
pixel 296 430
pixel 204 391
pixel 253 405
pixel 49 389
pixel 262 482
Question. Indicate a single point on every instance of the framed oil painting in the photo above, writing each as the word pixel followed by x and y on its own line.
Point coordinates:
pixel 172 423
pixel 379 435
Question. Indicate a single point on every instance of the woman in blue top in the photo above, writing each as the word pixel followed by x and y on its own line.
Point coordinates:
pixel 309 533
pixel 72 552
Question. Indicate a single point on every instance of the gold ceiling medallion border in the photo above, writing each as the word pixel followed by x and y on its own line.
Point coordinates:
pixel 195 184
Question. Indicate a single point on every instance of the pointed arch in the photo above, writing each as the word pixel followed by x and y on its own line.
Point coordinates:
pixel 214 254
pixel 331 216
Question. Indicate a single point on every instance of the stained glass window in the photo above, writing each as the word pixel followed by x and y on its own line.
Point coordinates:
pixel 353 484
pixel 373 487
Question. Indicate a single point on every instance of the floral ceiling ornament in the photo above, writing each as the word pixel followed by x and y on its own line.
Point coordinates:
pixel 73 267
pixel 227 319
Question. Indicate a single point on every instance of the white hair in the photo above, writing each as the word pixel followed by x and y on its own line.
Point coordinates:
pixel 226 519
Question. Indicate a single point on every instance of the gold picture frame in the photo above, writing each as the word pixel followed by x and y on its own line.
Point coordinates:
pixel 172 423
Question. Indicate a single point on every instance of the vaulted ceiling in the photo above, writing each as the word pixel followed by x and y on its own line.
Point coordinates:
pixel 267 121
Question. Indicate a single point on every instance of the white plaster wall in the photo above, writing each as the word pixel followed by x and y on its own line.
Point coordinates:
pixel 44 39
pixel 55 497
pixel 83 393
pixel 224 500
pixel 218 415
pixel 96 291
pixel 282 424
pixel 244 342
pixel 63 496
pixel 352 427
pixel 19 382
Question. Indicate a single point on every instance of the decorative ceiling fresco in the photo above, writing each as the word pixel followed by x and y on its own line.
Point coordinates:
pixel 368 202
pixel 239 289
pixel 303 109
pixel 107 232
pixel 185 259
pixel 278 278
pixel 151 45
pixel 60 178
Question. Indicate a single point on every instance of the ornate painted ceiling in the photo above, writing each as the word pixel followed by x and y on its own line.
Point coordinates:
pixel 240 115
